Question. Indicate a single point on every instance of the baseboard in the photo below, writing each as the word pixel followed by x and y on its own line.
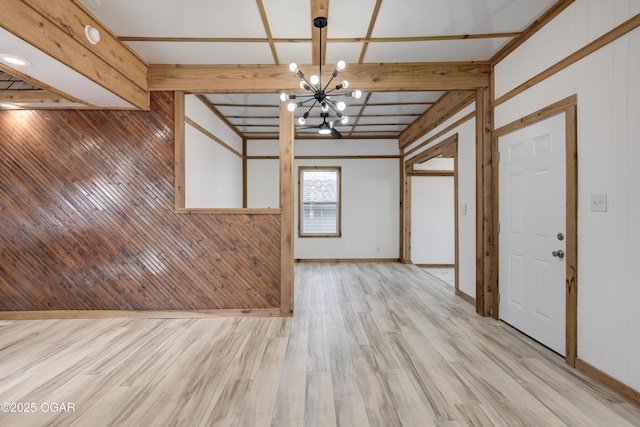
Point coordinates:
pixel 608 381
pixel 435 265
pixel 345 260
pixel 111 314
pixel 468 298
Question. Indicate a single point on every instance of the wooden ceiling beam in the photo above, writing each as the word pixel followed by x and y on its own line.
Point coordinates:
pixel 36 96
pixel 275 78
pixel 372 23
pixel 57 29
pixel 450 104
pixel 318 8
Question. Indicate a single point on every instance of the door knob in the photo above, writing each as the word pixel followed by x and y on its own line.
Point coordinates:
pixel 558 253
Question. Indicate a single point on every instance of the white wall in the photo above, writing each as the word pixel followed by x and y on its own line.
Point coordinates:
pixel 435 164
pixel 432 220
pixel 466 195
pixel 608 87
pixel 213 174
pixel 370 195
pixel 263 176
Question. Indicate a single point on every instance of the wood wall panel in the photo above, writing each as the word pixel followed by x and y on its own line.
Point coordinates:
pixel 87 221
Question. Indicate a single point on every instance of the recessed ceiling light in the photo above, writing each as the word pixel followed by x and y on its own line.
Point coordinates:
pixel 92 33
pixel 14 60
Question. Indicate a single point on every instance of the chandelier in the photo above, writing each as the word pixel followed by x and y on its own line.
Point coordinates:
pixel 319 94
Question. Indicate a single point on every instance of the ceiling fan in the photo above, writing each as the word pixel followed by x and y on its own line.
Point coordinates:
pixel 326 127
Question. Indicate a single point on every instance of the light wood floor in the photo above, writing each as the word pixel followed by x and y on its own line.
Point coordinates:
pixel 369 345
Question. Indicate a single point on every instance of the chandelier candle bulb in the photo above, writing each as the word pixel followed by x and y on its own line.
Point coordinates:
pixel 322 94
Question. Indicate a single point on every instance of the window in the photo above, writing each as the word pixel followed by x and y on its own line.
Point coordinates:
pixel 319 201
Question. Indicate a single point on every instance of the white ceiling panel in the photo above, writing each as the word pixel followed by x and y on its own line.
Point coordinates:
pixel 300 53
pixel 203 52
pixel 349 18
pixel 405 120
pixel 254 121
pixel 185 18
pixel 389 128
pixel 290 19
pixel 377 134
pixel 396 109
pixel 352 111
pixel 435 51
pixel 249 111
pixel 348 52
pixel 258 129
pixel 401 97
pixel 245 98
pixel 456 17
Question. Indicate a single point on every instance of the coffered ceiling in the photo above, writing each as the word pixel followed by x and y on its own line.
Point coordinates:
pixel 276 32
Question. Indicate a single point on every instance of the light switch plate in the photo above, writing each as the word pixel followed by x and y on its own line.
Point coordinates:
pixel 598 202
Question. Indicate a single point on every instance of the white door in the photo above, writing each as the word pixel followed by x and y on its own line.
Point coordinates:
pixel 532 215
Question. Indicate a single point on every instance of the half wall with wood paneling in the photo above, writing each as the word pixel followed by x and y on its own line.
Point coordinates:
pixel 87 221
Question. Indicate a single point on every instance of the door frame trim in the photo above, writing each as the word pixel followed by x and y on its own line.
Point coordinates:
pixel 448 147
pixel 569 107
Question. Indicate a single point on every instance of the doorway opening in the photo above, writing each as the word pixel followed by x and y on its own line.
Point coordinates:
pixel 434 173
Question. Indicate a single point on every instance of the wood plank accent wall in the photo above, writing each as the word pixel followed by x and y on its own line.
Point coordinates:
pixel 87 220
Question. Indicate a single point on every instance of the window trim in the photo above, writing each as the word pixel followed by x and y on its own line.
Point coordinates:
pixel 301 170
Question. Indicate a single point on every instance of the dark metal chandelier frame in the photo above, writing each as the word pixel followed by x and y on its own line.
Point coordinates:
pixel 321 95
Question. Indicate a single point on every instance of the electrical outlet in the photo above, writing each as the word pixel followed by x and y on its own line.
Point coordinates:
pixel 598 203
